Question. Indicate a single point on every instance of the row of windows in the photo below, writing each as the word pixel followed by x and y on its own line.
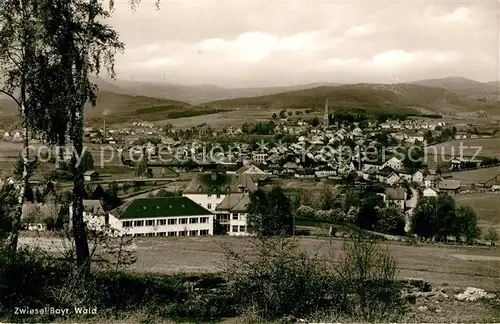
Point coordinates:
pixel 169 221
pixel 241 228
pixel 179 233
pixel 210 195
pixel 225 217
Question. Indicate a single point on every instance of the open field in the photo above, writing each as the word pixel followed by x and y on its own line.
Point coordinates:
pixel 487 207
pixel 223 119
pixel 485 146
pixel 477 176
pixel 438 265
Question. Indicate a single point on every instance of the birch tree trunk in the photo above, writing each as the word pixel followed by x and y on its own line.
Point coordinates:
pixel 13 238
pixel 79 230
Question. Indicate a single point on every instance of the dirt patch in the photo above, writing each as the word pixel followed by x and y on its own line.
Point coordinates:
pixel 469 257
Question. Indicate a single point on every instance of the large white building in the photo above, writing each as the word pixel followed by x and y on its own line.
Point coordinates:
pixel 226 195
pixel 232 213
pixel 165 216
pixel 93 214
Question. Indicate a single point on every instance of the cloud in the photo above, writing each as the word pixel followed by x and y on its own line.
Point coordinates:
pixel 252 43
pixel 393 58
pixel 360 30
pixel 458 15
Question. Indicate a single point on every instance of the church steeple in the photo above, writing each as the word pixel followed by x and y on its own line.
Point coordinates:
pixel 326 117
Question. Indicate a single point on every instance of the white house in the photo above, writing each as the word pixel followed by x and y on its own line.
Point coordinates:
pixel 165 216
pixel 392 179
pixel 250 169
pixel 429 192
pixel 394 163
pixel 396 196
pixel 232 213
pixel 93 214
pixel 418 177
pixel 210 189
pixel 34 215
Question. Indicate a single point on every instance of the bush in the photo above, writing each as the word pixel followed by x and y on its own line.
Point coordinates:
pixel 279 280
pixel 305 212
pixel 271 280
pixel 367 275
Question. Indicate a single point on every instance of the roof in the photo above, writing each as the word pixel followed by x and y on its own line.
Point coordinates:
pixel 395 194
pixel 236 202
pixel 90 173
pixel 253 170
pixel 40 211
pixel 205 183
pixel 449 185
pixel 93 206
pixel 159 207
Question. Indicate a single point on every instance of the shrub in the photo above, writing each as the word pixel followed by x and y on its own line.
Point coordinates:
pixel 271 280
pixel 305 212
pixel 367 275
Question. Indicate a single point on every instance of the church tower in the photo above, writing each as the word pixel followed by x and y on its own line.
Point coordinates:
pixel 326 117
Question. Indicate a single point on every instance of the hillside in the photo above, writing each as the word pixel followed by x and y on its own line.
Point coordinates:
pixel 481 91
pixel 119 108
pixel 369 96
pixel 451 83
pixel 194 95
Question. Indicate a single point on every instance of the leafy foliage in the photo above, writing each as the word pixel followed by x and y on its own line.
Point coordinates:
pixel 390 220
pixel 269 213
pixel 440 217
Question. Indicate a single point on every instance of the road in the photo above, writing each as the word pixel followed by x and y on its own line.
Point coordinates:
pixel 121 180
pixel 438 265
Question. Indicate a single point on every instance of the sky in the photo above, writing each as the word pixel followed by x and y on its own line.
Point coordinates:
pixel 245 43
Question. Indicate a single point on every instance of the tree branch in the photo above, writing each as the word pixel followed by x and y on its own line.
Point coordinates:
pixel 11 96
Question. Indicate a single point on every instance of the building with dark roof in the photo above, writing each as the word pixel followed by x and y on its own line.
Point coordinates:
pixel 165 216
pixel 232 213
pixel 396 196
pixel 210 189
pixel 451 187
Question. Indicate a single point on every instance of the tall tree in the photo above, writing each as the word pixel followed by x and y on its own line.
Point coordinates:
pixel 467 224
pixel 21 45
pixel 269 213
pixel 80 45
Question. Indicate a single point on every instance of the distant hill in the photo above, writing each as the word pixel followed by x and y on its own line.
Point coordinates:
pixel 451 83
pixel 194 95
pixel 119 108
pixel 392 97
pixel 482 91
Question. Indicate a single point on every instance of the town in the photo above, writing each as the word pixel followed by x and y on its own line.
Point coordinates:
pixel 389 159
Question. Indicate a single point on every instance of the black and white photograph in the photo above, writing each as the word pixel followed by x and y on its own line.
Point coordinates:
pixel 249 161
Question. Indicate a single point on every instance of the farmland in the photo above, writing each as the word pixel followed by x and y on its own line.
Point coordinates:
pixel 201 254
pixel 483 146
pixel 477 176
pixel 487 207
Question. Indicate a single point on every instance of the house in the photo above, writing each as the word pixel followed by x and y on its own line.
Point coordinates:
pixel 259 157
pixel 395 196
pixel 210 189
pixel 166 216
pixel 290 167
pixel 417 177
pixel 35 215
pixel 94 215
pixel 392 179
pixel 451 187
pixel 91 175
pixel 231 213
pixel 394 163
pixel 429 192
pixel 250 169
